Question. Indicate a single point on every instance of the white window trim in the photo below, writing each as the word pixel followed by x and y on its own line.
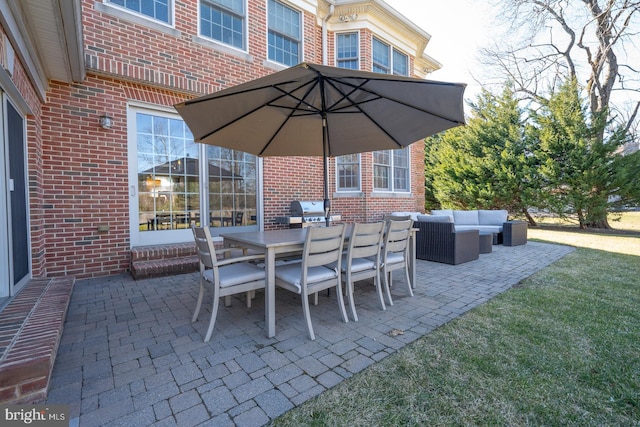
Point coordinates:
pixel 351 191
pixel 373 38
pixel 121 12
pixel 335 44
pixel 137 238
pixel 224 47
pixel 391 177
pixel 268 62
pixel 392 48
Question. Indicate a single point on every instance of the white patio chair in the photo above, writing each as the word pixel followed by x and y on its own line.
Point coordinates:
pixel 395 253
pixel 225 277
pixel 363 260
pixel 322 247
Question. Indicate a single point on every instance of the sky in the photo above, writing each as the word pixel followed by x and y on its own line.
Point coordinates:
pixel 458 29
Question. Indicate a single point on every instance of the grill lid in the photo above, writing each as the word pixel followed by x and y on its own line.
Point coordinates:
pixel 306 207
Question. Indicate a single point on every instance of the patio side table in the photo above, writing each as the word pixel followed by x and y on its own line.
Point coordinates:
pixel 486 243
pixel 515 233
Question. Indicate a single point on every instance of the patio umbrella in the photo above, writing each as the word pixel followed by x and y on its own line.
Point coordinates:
pixel 316 110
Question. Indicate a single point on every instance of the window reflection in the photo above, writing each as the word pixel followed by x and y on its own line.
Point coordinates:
pixel 169 180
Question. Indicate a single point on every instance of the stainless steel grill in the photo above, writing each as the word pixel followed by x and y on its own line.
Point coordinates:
pixel 307 213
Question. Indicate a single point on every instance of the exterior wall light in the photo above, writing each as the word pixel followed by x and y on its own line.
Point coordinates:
pixel 106 122
pixel 349 17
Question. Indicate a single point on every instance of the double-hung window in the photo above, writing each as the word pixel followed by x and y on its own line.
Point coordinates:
pixel 348 172
pixel 381 58
pixel 391 170
pixel 224 21
pixel 159 10
pixel 388 60
pixel 347 167
pixel 400 63
pixel 390 167
pixel 347 55
pixel 285 38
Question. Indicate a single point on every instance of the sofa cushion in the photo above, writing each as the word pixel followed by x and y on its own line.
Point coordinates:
pixel 434 218
pixel 465 217
pixel 447 212
pixel 481 228
pixel 492 217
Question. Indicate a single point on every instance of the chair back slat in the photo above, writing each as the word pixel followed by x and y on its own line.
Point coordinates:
pixel 398 232
pixel 365 240
pixel 204 246
pixel 323 245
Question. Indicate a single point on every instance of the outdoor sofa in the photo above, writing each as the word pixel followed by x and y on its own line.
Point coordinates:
pixel 453 236
pixel 509 233
pixel 437 239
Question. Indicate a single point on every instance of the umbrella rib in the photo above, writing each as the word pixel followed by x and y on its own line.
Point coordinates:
pixel 293 110
pixel 248 113
pixel 227 124
pixel 313 109
pixel 357 105
pixel 397 101
pixel 217 95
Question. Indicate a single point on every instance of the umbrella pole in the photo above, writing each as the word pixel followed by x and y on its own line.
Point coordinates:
pixel 327 202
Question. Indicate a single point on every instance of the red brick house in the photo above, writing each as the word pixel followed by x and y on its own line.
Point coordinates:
pixel 97 162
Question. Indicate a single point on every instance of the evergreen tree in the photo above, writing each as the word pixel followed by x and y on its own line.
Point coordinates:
pixel 486 164
pixel 577 166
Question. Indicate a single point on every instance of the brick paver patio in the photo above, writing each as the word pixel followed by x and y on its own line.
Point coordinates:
pixel 130 356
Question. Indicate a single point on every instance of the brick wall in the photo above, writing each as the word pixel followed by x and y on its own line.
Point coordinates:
pixel 80 173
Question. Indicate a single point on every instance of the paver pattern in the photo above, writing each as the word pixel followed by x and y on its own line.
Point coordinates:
pixel 130 356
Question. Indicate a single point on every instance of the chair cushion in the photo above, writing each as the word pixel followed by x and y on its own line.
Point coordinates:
pixel 447 212
pixel 465 217
pixel 492 217
pixel 361 264
pixel 482 228
pixel 235 274
pixel 292 273
pixel 357 264
pixel 394 258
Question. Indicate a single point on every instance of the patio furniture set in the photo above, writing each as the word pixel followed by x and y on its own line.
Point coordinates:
pixel 305 261
pixel 458 236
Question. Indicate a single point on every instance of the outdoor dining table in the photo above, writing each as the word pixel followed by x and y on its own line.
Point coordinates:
pixel 275 243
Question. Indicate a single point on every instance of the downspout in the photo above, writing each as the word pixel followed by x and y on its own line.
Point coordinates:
pixel 327 201
pixel 324 32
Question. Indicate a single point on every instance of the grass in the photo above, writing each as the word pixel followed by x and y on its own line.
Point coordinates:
pixel 561 348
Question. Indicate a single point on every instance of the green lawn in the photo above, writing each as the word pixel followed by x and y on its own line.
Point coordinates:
pixel 560 349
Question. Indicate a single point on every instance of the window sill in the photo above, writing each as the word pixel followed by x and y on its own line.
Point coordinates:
pixel 222 48
pixel 348 195
pixel 276 66
pixel 389 194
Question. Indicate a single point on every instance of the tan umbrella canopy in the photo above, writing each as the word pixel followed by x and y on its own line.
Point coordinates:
pixel 316 110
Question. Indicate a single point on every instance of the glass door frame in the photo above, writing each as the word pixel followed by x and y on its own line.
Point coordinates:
pixel 158 237
pixel 8 284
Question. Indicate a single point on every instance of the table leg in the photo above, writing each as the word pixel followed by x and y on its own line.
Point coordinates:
pixel 412 259
pixel 270 293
